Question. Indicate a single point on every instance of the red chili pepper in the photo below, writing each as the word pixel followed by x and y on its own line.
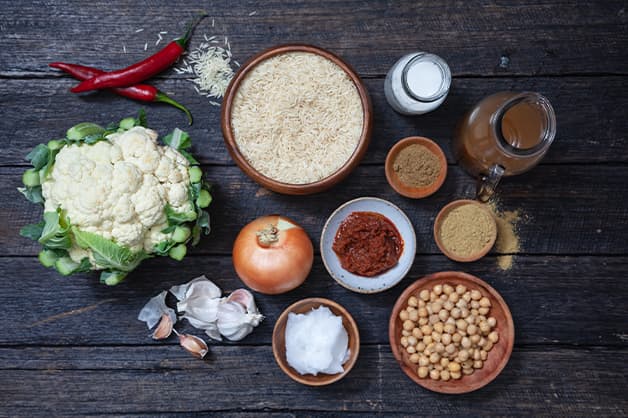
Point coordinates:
pixel 142 70
pixel 141 92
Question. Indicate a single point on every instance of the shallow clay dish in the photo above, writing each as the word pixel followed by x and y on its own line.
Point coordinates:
pixel 279 341
pixel 405 189
pixel 439 219
pixel 288 188
pixel 497 357
pixel 385 280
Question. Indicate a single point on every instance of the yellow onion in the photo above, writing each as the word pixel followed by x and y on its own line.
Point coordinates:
pixel 273 255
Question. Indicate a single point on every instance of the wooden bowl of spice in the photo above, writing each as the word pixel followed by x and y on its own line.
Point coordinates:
pixel 465 230
pixel 416 167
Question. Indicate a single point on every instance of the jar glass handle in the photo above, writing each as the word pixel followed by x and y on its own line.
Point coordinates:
pixel 488 183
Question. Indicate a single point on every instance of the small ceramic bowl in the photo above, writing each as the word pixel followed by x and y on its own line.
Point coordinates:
pixel 497 357
pixel 439 219
pixel 405 189
pixel 279 341
pixel 288 188
pixel 385 280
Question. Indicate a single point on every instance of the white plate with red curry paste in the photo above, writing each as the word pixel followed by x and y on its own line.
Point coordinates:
pixel 368 245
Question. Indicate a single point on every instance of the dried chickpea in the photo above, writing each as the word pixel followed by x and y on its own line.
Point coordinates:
pixel 475 339
pixel 454 297
pixel 434 374
pixel 447 289
pixel 439 327
pixel 491 321
pixel 436 336
pixel 467 297
pixel 412 340
pixel 422 372
pixel 461 289
pixel 421 303
pixel 404 341
pixel 438 289
pixel 478 364
pixel 456 313
pixel 438 367
pixel 455 375
pixel 476 355
pixel 475 313
pixel 408 325
pixel 450 349
pixel 416 332
pixel 456 338
pixel 422 312
pixel 465 342
pixel 434 319
pixel 444 375
pixel 463 355
pixel 443 314
pixel 452 321
pixel 427 339
pixel 424 295
pixel 423 360
pixel 410 349
pixel 443 298
pixel 482 342
pixel 461 324
pixel 444 362
pixel 485 328
pixel 433 296
pixel 405 333
pixel 483 311
pixel 475 304
pixel 449 328
pixel 414 358
pixel 413 301
pixel 485 302
pixel 472 329
pixel 413 315
pixel 436 306
pixel 464 312
pixel 467 371
pixel 493 337
pixel 403 315
pixel 483 355
pixel 488 346
pixel 430 348
pixel 440 348
pixel 476 295
pixel 426 330
pixel 445 338
pixel 422 321
pixel 420 347
pixel 470 319
pixel 434 358
pixel 453 366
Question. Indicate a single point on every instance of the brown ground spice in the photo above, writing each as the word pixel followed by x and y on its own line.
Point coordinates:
pixel 417 166
pixel 466 230
pixel 507 237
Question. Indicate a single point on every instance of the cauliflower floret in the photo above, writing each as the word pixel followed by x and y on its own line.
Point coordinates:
pixel 119 188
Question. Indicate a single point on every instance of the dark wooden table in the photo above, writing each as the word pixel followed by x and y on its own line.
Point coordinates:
pixel 73 346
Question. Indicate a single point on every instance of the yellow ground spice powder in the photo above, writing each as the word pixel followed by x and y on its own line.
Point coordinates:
pixel 417 166
pixel 466 230
pixel 507 238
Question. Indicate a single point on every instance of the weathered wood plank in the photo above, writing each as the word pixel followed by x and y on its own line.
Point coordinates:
pixel 554 300
pixel 120 380
pixel 476 38
pixel 590 112
pixel 569 209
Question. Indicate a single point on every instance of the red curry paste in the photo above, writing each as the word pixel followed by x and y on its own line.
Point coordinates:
pixel 367 244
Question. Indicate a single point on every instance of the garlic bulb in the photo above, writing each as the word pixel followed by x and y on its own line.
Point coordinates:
pixel 238 315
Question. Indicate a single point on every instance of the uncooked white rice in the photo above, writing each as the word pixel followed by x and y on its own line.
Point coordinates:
pixel 297 117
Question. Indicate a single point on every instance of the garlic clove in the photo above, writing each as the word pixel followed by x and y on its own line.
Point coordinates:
pixel 245 298
pixel 164 329
pixel 201 286
pixel 194 345
pixel 199 310
pixel 153 311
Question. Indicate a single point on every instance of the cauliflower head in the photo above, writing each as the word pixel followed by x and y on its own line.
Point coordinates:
pixel 115 197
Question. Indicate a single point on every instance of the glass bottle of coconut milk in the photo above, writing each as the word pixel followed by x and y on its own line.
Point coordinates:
pixel 418 83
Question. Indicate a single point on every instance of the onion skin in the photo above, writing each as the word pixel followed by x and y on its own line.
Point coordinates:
pixel 275 267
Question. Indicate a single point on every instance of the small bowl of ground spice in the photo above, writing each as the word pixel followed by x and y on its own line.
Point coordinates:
pixel 416 167
pixel 465 230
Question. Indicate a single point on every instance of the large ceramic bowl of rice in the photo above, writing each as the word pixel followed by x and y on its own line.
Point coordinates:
pixel 296 119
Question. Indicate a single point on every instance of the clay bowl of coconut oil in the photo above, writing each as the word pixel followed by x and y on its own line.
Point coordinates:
pixel 350 352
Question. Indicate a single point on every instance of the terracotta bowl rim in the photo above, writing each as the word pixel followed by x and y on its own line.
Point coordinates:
pixel 439 218
pixel 293 188
pixel 409 191
pixel 321 379
pixel 442 277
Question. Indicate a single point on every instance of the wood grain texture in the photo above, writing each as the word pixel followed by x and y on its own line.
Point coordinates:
pixel 592 127
pixel 553 300
pixel 477 37
pixel 567 209
pixel 86 380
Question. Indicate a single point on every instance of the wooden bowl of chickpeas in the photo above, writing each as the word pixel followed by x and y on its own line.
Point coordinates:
pixel 451 332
